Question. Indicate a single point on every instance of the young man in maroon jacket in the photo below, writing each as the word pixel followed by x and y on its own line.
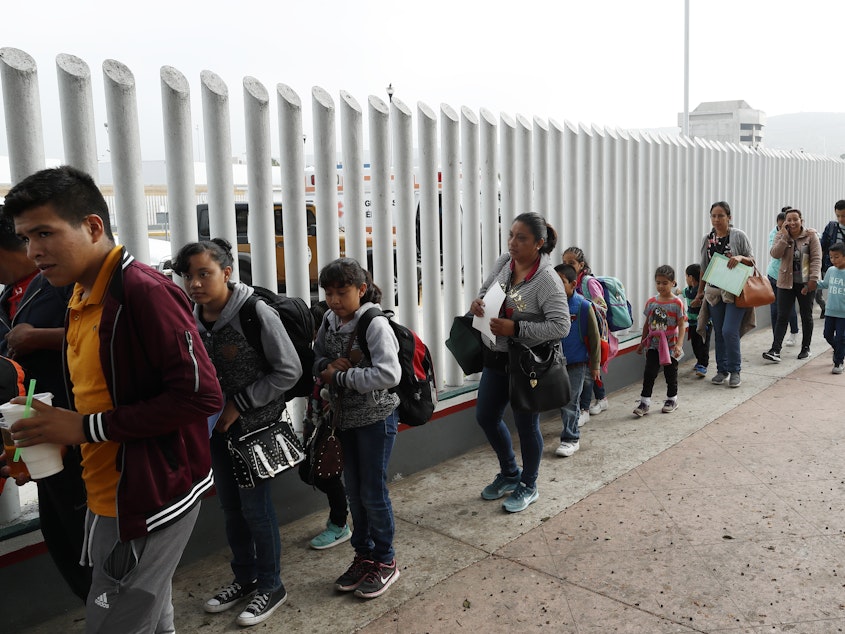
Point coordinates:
pixel 140 388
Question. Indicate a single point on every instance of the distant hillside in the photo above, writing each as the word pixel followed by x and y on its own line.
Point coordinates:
pixel 814 132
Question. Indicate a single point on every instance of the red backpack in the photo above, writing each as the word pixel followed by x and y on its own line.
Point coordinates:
pixel 417 389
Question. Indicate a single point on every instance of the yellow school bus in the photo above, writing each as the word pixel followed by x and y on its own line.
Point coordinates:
pixel 244 257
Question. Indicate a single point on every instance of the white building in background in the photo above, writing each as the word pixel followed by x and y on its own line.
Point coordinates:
pixel 726 121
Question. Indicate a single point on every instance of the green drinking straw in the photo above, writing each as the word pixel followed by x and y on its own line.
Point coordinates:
pixel 27 411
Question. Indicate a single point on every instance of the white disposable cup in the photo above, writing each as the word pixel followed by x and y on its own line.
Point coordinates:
pixel 42 460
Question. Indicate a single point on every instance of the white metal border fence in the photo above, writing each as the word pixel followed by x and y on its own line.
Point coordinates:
pixel 630 200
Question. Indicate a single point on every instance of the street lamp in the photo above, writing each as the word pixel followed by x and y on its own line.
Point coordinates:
pixel 390 92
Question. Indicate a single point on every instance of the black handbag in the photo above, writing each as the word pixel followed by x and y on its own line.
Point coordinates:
pixel 264 452
pixel 324 454
pixel 464 343
pixel 538 378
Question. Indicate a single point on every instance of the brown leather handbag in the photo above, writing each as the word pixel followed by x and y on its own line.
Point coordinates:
pixel 756 292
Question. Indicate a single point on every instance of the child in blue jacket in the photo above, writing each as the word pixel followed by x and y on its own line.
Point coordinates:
pixel 582 349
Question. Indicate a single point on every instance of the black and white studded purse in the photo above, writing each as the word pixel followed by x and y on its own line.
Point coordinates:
pixel 264 452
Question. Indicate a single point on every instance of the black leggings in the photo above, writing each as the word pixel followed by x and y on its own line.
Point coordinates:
pixel 786 299
pixel 336 493
pixel 652 369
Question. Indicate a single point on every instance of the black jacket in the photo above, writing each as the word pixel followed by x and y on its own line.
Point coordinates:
pixel 43 306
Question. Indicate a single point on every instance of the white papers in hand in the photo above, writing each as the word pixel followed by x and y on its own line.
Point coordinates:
pixel 492 303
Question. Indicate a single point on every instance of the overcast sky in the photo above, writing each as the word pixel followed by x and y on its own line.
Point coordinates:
pixel 615 63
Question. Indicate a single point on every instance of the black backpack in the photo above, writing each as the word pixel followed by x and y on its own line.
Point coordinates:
pixel 828 239
pixel 417 389
pixel 299 324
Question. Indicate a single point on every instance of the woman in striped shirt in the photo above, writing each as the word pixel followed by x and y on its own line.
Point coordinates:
pixel 535 311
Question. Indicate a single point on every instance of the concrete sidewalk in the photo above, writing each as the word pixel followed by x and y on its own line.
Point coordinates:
pixel 727 515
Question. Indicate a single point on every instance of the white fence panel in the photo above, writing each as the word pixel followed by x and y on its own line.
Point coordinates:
pixel 261 225
pixel 125 143
pixel 382 207
pixel 218 152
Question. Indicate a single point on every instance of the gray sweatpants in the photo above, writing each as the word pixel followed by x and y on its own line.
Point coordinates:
pixel 132 581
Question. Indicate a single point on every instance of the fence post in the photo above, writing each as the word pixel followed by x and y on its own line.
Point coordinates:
pixel 432 296
pixel 292 165
pixel 568 177
pixel 22 110
pixel 325 173
pixel 382 209
pixel 125 144
pixel 470 191
pixel 451 222
pixel 490 203
pixel 596 222
pixel 218 161
pixel 555 188
pixel 619 215
pixel 261 226
pixel 179 158
pixel 607 241
pixel 581 175
pixel 507 170
pixel 354 211
pixel 76 102
pixel 540 160
pixel 523 168
pixel 406 241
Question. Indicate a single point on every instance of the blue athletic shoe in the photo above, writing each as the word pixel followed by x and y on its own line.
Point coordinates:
pixel 700 370
pixel 520 499
pixel 500 485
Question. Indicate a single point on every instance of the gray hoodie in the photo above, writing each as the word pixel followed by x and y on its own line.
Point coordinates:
pixel 364 397
pixel 256 388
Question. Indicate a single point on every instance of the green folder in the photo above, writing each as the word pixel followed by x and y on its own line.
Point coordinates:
pixel 731 280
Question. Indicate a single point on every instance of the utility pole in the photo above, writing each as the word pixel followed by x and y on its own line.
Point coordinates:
pixel 685 127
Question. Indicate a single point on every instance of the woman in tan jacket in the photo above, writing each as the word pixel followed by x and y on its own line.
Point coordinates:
pixel 800 256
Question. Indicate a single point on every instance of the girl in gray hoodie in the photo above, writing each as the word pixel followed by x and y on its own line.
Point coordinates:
pixel 364 411
pixel 254 383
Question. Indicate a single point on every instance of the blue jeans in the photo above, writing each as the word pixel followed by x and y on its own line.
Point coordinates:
pixel 366 453
pixel 569 413
pixel 727 319
pixel 773 310
pixel 591 388
pixel 834 334
pixel 252 529
pixel 493 396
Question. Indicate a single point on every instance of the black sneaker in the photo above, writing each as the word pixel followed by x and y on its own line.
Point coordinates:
pixel 378 580
pixel 805 352
pixel 354 575
pixel 229 596
pixel 772 355
pixel 261 607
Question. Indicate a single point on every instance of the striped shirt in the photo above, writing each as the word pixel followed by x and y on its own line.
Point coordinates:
pixel 539 304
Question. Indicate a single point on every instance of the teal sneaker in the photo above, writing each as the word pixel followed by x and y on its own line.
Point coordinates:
pixel 332 536
pixel 520 499
pixel 500 485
